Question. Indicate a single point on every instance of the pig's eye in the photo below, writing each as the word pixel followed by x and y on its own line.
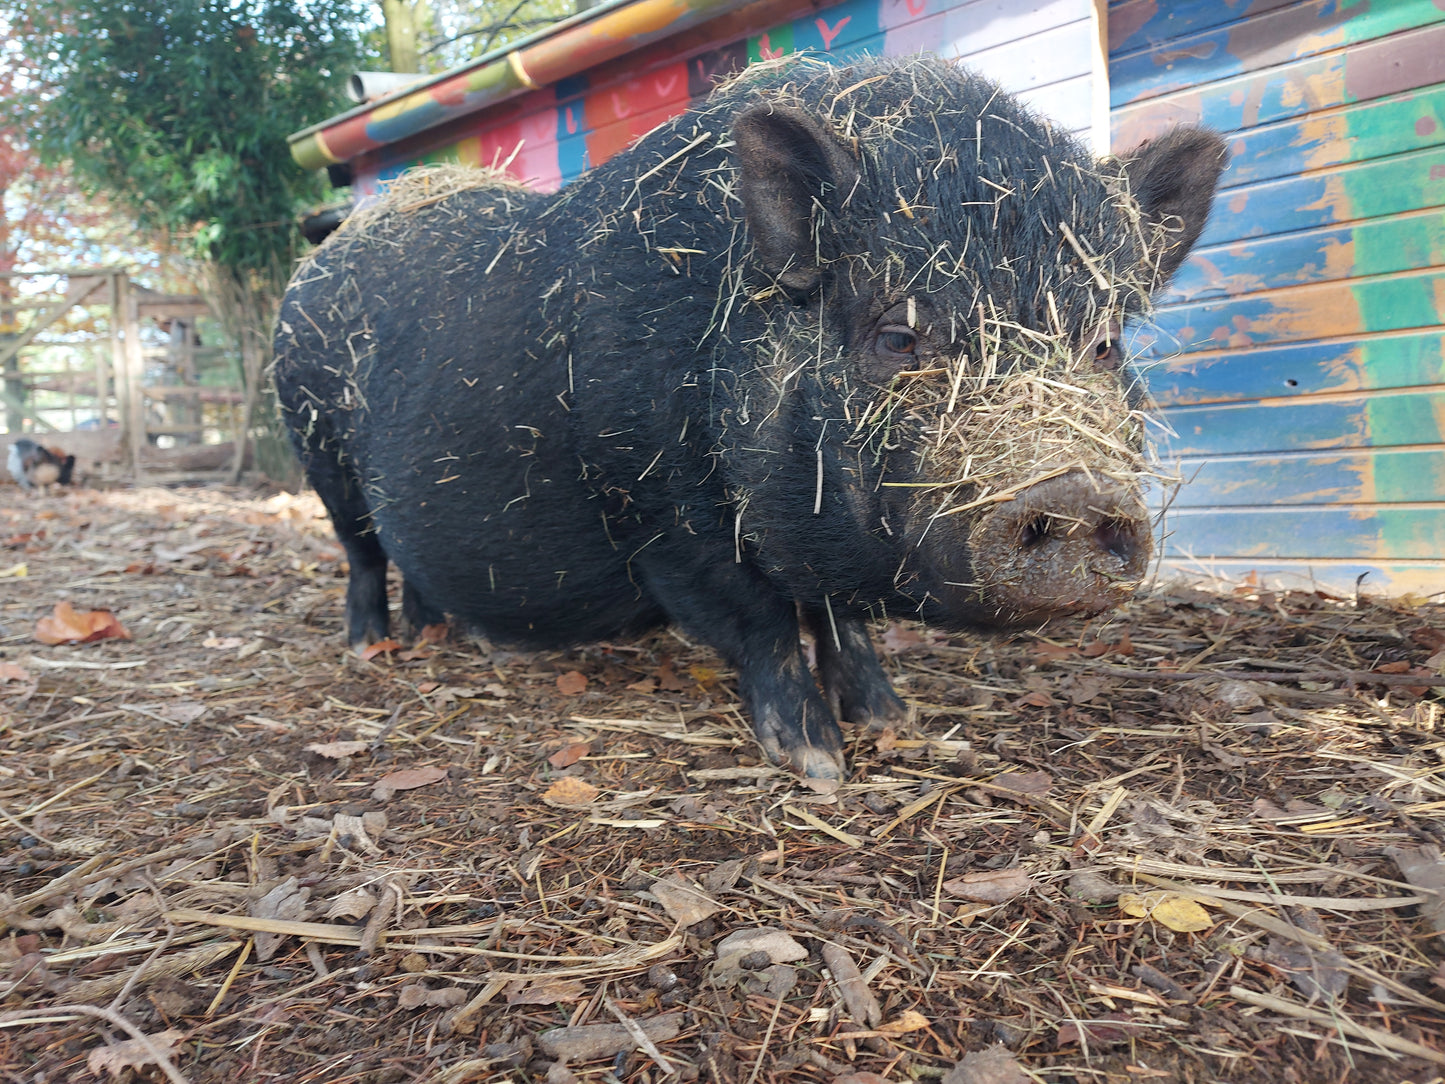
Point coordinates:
pixel 1104 350
pixel 896 341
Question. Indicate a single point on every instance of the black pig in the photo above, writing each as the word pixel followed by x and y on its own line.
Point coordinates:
pixel 836 340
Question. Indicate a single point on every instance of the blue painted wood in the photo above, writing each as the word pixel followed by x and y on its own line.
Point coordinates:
pixel 1345 579
pixel 1357 133
pixel 1274 38
pixel 1347 532
pixel 1390 186
pixel 1299 370
pixel 1139 25
pixel 1373 247
pixel 1371 70
pixel 1380 419
pixel 1380 475
pixel 1300 313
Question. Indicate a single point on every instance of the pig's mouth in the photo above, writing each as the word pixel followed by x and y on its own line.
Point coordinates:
pixel 1072 544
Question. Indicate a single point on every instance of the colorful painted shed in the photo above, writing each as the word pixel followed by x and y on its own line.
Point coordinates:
pixel 1300 357
pixel 1301 367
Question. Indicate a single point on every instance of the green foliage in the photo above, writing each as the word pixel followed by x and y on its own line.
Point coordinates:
pixel 462 30
pixel 180 110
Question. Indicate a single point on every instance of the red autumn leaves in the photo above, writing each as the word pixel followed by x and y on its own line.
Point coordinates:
pixel 67 625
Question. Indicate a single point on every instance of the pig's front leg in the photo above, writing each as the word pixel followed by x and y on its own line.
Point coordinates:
pixel 737 611
pixel 856 686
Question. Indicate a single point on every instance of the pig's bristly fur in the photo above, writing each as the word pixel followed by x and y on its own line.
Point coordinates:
pixel 808 345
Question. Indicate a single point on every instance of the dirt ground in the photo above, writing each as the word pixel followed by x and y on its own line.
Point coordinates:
pixel 1196 840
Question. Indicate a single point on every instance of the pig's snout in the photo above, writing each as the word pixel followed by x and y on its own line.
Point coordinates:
pixel 1076 543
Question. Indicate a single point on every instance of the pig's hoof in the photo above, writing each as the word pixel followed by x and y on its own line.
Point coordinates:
pixel 814 763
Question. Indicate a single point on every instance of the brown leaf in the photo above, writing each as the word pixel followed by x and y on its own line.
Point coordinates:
pixel 571 683
pixel 569 754
pixel 668 679
pixel 546 992
pixel 415 995
pixel 685 903
pixel 570 792
pixel 908 1020
pixel 406 779
pixel 338 750
pixel 993 886
pixel 992 1066
pixel 10 671
pixel 1036 699
pixel 381 646
pixel 1424 867
pixel 68 626
pixel 435 634
pixel 133 1053
pixel 1111 1030
pixel 1033 784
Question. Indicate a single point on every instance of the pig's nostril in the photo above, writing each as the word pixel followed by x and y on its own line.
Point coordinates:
pixel 1035 532
pixel 1118 539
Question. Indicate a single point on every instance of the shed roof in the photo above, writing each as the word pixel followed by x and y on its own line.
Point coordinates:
pixel 592 37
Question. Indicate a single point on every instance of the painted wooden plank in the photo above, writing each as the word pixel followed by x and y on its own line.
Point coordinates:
pixel 1273 38
pixel 1375 189
pixel 924 26
pixel 1357 133
pixel 1341 578
pixel 1374 476
pixel 1345 532
pixel 1138 25
pixel 1047 56
pixel 1399 360
pixel 1373 420
pixel 1378 246
pixel 1371 70
pixel 1409 299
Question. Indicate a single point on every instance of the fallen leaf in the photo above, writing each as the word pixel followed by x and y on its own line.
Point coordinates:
pixel 133 1053
pixel 353 904
pixel 907 1021
pixel 570 792
pixel 994 886
pixel 435 634
pixel 10 671
pixel 571 683
pixel 992 1066
pixel 222 643
pixel 1031 784
pixel 1111 1030
pixel 569 754
pixel 546 992
pixel 15 572
pixel 381 646
pixel 1182 914
pixel 411 778
pixel 66 625
pixel 779 947
pixel 287 901
pixel 668 679
pixel 685 903
pixel 591 1042
pixel 1424 867
pixel 338 750
pixel 415 996
pixel 1036 699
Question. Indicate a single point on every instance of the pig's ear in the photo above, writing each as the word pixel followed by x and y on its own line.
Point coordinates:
pixel 794 173
pixel 1173 179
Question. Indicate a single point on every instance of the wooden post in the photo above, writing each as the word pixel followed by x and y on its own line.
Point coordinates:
pixel 115 371
pixel 131 376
